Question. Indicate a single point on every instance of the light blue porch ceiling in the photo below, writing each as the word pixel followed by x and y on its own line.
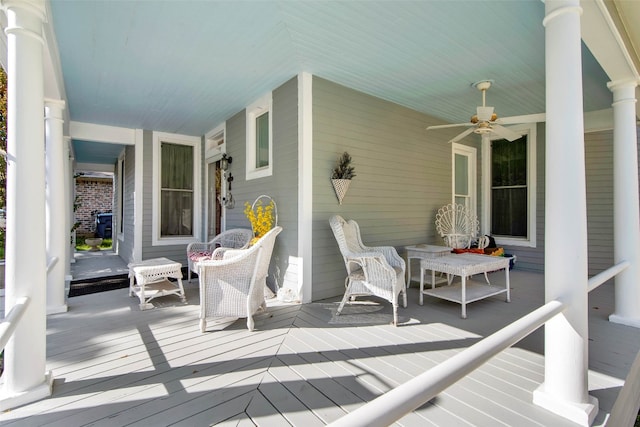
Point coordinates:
pixel 96 153
pixel 186 66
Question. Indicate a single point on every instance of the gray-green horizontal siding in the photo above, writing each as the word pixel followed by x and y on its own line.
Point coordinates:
pixel 599 164
pixel 403 175
pixel 282 185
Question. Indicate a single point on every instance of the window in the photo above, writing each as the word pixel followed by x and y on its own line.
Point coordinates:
pixel 511 186
pixel 176 190
pixel 176 160
pixel 259 139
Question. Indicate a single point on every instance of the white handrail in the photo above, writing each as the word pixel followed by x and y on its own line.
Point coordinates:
pixel 10 322
pixel 607 274
pixel 52 262
pixel 393 405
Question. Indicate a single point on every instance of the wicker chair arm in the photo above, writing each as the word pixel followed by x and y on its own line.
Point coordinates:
pixel 219 253
pixel 367 259
pixel 392 256
pixel 360 257
pixel 228 253
pixel 200 247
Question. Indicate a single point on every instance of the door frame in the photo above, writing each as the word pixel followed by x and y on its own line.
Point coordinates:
pixel 471 153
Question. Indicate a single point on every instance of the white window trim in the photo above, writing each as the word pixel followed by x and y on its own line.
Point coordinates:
pixel 119 222
pixel 215 143
pixel 195 142
pixel 523 129
pixel 257 108
pixel 472 154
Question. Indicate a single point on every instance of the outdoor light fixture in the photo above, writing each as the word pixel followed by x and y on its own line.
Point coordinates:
pixel 225 162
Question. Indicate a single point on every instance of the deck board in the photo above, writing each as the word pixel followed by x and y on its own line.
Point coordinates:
pixel 304 366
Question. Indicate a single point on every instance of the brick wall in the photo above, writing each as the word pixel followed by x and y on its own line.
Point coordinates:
pixel 93 194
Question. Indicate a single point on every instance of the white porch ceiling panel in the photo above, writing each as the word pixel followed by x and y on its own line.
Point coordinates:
pixel 186 66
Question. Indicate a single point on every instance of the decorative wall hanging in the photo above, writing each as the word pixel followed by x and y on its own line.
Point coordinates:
pixel 342 175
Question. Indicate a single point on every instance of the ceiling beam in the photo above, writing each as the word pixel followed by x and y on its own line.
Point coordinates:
pixel 102 133
pixel 604 40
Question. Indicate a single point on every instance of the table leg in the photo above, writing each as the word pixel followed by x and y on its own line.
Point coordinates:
pixel 421 284
pixel 506 272
pixel 464 296
pixel 183 298
pixel 408 272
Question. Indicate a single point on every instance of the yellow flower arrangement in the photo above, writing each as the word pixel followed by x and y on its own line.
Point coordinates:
pixel 261 217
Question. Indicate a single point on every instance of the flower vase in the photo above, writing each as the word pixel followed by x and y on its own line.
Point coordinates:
pixel 340 186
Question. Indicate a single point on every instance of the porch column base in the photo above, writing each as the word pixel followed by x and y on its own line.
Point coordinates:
pixel 58 309
pixel 38 392
pixel 628 321
pixel 581 413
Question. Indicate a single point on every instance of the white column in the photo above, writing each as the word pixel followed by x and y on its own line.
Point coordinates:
pixel 71 206
pixel 68 205
pixel 626 199
pixel 25 379
pixel 565 387
pixel 56 209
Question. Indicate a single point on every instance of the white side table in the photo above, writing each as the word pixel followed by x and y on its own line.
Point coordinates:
pixel 424 251
pixel 149 279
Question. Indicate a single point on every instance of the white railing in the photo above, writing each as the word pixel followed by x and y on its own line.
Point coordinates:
pixel 10 322
pixel 396 403
pixel 393 405
pixel 607 274
pixel 52 262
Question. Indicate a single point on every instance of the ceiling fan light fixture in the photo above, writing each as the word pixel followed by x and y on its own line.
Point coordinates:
pixel 484 113
pixel 482 130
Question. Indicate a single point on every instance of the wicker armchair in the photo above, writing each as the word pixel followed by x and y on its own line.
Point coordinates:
pixel 378 271
pixel 457 226
pixel 234 286
pixel 236 238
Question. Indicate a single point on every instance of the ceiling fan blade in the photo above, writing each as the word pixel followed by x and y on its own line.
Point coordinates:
pixel 462 135
pixel 527 118
pixel 505 133
pixel 449 126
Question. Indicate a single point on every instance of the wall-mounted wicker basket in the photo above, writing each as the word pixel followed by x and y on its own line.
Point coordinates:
pixel 340 186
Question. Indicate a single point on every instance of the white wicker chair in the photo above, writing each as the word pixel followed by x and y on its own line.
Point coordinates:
pixel 234 286
pixel 378 271
pixel 236 238
pixel 457 226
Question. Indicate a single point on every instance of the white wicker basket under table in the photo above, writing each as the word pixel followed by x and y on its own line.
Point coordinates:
pixel 149 279
pixel 464 265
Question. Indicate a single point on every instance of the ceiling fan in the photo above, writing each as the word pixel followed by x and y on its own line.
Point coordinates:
pixel 486 122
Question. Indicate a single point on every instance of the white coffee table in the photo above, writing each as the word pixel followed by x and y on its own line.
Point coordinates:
pixel 424 251
pixel 464 265
pixel 149 279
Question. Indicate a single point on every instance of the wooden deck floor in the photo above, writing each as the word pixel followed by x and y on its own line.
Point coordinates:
pixel 115 365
